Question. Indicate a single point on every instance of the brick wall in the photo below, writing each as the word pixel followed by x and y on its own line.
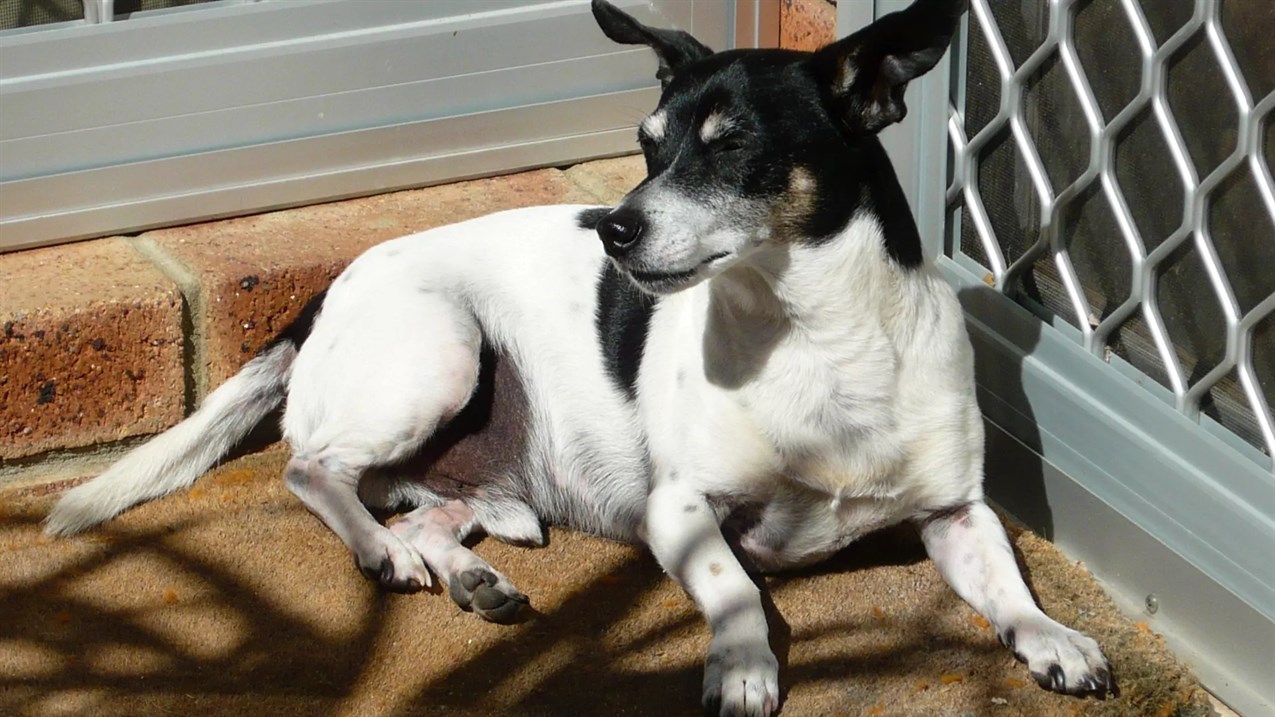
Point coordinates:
pixel 807 24
pixel 105 342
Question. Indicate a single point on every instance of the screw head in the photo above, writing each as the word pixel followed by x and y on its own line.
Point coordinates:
pixel 1153 604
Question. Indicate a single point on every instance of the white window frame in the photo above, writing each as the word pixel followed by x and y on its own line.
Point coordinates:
pixel 234 107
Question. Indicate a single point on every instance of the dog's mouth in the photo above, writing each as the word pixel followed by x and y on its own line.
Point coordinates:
pixel 670 280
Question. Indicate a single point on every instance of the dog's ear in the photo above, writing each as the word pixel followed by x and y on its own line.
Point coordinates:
pixel 675 48
pixel 864 75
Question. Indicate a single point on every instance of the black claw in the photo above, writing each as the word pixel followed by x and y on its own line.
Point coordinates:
pixel 1098 685
pixel 1107 683
pixel 407 587
pixel 1057 678
pixel 367 571
pixel 1007 639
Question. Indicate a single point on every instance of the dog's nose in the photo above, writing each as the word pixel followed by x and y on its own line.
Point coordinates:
pixel 620 230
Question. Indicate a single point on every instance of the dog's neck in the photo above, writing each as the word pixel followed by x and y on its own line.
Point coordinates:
pixel 821 289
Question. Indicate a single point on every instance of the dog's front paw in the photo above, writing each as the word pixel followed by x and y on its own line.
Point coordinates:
pixel 741 679
pixel 1059 658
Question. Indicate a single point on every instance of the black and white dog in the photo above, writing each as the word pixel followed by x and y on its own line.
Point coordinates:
pixel 754 363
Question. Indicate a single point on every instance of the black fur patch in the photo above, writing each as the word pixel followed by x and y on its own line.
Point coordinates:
pixel 589 218
pixel 623 316
pixel 886 200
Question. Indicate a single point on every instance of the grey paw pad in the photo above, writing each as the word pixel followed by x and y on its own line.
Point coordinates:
pixel 477 591
pixel 498 607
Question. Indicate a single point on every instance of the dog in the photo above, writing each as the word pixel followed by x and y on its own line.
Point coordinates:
pixel 755 365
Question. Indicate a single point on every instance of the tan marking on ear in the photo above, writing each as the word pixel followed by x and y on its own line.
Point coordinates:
pixel 794 205
pixel 847 73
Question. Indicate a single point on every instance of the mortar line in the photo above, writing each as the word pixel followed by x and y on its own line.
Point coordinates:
pixel 194 342
pixel 60 464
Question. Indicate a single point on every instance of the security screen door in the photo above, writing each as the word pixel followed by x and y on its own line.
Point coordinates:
pixel 139 117
pixel 1094 177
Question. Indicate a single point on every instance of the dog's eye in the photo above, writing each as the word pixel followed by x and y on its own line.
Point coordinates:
pixel 645 142
pixel 729 143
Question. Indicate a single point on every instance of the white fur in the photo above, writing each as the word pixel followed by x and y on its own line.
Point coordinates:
pixel 404 339
pixel 715 125
pixel 655 125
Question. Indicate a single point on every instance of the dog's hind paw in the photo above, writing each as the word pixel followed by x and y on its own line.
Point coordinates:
pixel 1059 658
pixel 394 565
pixel 487 593
pixel 741 679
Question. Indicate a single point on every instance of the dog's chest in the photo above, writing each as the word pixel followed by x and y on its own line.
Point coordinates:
pixel 828 410
pixel 756 403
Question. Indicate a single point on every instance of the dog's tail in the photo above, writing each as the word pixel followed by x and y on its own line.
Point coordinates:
pixel 176 457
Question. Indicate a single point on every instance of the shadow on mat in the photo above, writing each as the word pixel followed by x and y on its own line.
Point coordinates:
pixel 565 661
pixel 279 655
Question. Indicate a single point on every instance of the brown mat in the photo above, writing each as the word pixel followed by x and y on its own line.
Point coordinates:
pixel 232 600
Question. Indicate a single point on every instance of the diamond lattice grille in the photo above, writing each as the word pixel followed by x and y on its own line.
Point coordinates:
pixel 1111 169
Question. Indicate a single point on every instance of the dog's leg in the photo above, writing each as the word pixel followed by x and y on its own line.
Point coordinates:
pixel 741 674
pixel 971 550
pixel 331 494
pixel 435 532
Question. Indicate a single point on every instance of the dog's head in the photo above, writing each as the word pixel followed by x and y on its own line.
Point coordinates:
pixel 750 148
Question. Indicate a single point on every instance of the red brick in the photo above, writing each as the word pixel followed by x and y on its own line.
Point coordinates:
pixel 257 272
pixel 91 349
pixel 807 24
